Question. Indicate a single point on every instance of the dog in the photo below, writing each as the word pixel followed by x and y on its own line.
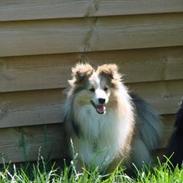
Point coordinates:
pixel 106 125
pixel 175 149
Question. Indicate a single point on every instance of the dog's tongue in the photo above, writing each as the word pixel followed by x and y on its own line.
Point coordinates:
pixel 100 109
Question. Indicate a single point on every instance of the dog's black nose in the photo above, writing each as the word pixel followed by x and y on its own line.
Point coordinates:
pixel 101 100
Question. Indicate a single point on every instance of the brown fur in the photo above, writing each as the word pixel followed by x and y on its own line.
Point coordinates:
pixel 111 72
pixel 121 105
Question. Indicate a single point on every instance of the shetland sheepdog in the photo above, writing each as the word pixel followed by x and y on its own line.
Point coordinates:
pixel 175 149
pixel 105 123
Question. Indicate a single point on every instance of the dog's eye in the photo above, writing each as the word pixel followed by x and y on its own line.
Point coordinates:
pixel 106 88
pixel 92 89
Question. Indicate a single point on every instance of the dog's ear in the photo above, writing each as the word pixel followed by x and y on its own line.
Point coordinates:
pixel 110 71
pixel 80 73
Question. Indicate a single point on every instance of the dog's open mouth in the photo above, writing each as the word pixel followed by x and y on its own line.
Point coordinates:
pixel 100 108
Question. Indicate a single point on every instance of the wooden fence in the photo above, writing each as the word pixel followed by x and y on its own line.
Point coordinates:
pixel 40 40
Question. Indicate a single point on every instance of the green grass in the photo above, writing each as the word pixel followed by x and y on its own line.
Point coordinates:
pixel 39 173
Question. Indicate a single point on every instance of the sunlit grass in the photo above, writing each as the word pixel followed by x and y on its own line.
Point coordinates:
pixel 40 173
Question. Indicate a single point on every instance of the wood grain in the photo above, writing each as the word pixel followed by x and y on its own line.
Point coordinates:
pixel 53 71
pixel 168 128
pixel 46 9
pixel 31 108
pixel 81 35
pixel 30 143
pixel 164 96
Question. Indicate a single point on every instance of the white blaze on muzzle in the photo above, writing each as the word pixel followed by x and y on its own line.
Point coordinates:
pixel 100 101
pixel 100 94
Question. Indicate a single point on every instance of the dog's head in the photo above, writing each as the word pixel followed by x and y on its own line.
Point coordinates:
pixel 95 87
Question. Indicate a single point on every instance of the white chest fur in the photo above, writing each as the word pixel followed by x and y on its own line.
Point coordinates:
pixel 103 135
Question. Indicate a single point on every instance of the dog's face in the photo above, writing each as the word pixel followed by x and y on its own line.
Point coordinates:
pixel 100 91
pixel 95 87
